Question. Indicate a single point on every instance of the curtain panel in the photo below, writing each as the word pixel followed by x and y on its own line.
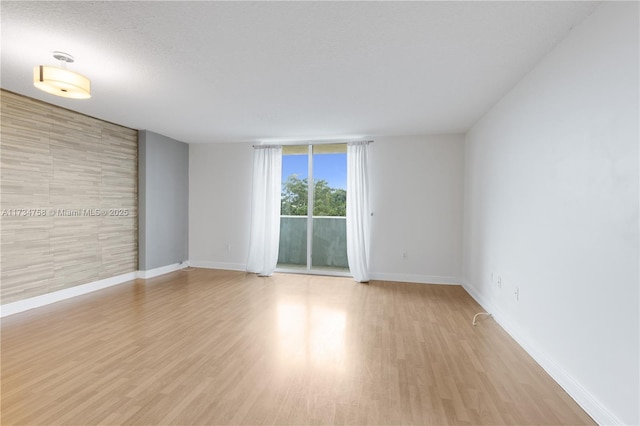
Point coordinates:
pixel 358 210
pixel 265 210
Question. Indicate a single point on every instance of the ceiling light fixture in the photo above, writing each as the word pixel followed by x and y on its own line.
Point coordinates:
pixel 61 81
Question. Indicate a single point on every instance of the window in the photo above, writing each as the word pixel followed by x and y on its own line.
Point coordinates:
pixel 313 239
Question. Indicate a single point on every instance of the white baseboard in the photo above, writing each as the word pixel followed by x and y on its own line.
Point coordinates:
pixel 414 278
pixel 579 393
pixel 408 278
pixel 145 275
pixel 67 293
pixel 218 265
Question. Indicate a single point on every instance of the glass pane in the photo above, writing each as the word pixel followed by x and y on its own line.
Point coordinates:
pixel 329 244
pixel 330 184
pixel 329 250
pixel 293 210
pixel 294 196
pixel 293 242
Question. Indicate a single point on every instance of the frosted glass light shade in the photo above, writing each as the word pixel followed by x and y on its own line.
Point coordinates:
pixel 61 82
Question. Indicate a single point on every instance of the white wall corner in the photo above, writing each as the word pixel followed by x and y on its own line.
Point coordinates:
pixel 67 293
pixel 579 393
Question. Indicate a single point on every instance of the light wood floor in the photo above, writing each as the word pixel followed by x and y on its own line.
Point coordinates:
pixel 219 347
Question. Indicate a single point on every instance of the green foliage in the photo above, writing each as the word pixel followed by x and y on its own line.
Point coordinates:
pixel 294 197
pixel 327 201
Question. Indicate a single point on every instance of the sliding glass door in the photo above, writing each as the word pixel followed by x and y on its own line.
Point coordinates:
pixel 313 239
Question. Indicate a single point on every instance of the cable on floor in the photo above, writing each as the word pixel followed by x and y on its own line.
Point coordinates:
pixel 476 316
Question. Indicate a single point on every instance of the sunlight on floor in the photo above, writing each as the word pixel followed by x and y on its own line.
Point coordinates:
pixel 311 336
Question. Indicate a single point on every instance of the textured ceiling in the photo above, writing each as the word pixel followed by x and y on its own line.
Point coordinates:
pixel 261 71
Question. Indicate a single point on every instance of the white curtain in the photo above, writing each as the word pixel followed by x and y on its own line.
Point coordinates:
pixel 265 210
pixel 358 214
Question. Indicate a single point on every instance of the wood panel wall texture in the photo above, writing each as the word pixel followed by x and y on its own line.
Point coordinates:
pixel 55 159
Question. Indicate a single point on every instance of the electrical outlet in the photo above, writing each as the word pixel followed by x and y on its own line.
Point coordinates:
pixel 405 256
pixel 229 247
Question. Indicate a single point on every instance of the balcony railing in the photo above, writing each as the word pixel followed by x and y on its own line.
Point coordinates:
pixel 329 247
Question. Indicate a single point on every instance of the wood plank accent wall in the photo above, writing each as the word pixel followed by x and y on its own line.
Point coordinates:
pixel 62 164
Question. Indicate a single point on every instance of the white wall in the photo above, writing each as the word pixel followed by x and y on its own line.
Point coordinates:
pixel 417 195
pixel 219 204
pixel 551 205
pixel 417 192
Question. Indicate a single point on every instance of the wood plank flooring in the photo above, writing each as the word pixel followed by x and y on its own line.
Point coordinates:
pixel 214 347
